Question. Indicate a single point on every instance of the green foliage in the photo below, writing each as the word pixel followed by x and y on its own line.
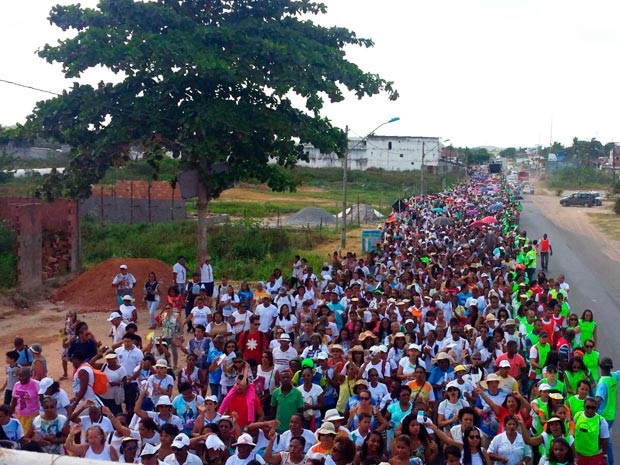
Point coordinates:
pixel 510 152
pixel 617 206
pixel 7 163
pixel 241 250
pixel 8 256
pixel 579 177
pixel 208 81
pixel 476 156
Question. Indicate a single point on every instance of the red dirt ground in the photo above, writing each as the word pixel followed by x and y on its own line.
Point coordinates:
pixel 92 290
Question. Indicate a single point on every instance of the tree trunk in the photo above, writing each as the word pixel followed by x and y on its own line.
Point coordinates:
pixel 203 203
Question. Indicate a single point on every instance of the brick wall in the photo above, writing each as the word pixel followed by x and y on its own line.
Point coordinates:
pixel 47 237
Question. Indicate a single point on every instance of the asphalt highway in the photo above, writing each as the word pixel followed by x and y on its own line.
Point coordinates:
pixel 593 277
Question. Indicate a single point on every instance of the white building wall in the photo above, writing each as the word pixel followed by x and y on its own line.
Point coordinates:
pixel 394 153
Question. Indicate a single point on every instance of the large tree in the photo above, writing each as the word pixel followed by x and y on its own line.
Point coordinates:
pixel 211 81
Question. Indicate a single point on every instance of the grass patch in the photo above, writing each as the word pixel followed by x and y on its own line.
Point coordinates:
pixel 579 178
pixel 608 224
pixel 241 250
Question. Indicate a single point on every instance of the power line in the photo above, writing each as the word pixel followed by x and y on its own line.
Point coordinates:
pixel 28 87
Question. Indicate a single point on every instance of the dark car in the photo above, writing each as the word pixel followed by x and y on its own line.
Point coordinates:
pixel 583 199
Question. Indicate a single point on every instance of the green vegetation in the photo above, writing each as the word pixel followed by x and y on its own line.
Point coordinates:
pixel 241 250
pixel 579 178
pixel 8 257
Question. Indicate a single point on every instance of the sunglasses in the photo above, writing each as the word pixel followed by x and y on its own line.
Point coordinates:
pixel 589 347
pixel 590 407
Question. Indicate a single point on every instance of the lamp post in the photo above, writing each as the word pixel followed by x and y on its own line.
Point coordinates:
pixel 345 162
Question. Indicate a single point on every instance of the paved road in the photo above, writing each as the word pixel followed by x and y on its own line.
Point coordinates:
pixel 594 279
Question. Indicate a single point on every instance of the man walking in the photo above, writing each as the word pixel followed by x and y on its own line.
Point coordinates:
pixel 606 390
pixel 544 246
pixel 179 274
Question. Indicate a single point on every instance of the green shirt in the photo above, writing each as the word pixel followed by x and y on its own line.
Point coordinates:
pixel 286 406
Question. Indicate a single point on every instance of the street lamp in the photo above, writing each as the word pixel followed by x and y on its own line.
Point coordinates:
pixel 422 166
pixel 345 161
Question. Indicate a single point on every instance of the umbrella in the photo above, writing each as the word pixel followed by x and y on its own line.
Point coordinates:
pixel 437 210
pixel 461 200
pixel 489 220
pixel 449 199
pixel 472 212
pixel 442 221
pixel 392 218
pixel 476 224
pixel 497 206
pixel 470 204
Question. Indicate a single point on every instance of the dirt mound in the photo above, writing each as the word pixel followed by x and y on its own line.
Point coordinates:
pixel 92 290
pixel 311 216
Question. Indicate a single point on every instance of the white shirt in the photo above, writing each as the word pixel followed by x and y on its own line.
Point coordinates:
pixel 181 273
pixel 281 358
pixel 104 423
pixel 118 332
pixel 191 460
pixel 266 314
pixel 126 311
pixel 311 397
pixel 287 325
pixel 242 321
pixel 129 359
pixel 285 441
pixel 513 451
pixel 206 273
pixel 200 315
pixel 235 460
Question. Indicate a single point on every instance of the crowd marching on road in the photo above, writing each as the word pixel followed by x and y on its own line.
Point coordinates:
pixel 450 343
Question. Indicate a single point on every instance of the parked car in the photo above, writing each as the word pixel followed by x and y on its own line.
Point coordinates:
pixel 527 189
pixel 598 196
pixel 583 199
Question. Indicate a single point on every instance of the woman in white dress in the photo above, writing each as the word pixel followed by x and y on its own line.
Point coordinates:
pixel 95 446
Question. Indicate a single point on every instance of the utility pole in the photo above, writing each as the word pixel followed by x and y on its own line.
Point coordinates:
pixel 343 236
pixel 422 170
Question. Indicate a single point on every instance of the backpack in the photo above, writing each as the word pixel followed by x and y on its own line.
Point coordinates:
pixel 101 383
pixel 196 289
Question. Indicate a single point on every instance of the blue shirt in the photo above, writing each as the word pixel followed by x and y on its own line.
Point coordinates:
pixel 215 376
pixel 601 391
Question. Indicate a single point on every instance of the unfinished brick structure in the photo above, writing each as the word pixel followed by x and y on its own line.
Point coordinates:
pixel 134 202
pixel 47 237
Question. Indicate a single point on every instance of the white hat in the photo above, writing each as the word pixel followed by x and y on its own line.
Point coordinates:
pixel 326 428
pixel 162 363
pixel 284 337
pixel 44 385
pixel 181 440
pixel 414 346
pixel 504 364
pixel 244 440
pixel 383 349
pixel 322 356
pixel 215 443
pixel 374 350
pixel 162 401
pixel 544 387
pixel 211 399
pixel 128 297
pixel 149 449
pixel 333 414
pixel 114 315
pixel 123 267
pixel 409 321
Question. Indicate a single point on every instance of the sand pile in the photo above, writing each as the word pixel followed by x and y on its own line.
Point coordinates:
pixel 362 213
pixel 92 290
pixel 312 216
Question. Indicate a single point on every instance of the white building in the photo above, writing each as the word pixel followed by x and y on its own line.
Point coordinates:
pixel 390 153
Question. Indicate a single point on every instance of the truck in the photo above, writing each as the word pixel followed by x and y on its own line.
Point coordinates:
pixel 523 176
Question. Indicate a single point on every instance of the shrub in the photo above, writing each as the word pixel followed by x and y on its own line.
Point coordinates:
pixel 617 206
pixel 8 256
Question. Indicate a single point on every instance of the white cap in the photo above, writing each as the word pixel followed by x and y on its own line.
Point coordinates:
pixel 128 297
pixel 149 449
pixel 181 440
pixel 383 349
pixel 284 337
pixel 322 356
pixel 215 443
pixel 44 385
pixel 504 364
pixel 114 315
pixel 211 399
pixel 123 267
pixel 409 321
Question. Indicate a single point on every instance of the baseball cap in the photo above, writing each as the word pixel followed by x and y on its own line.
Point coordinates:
pixel 307 363
pixel 45 384
pixel 244 440
pixel 180 441
pixel 162 363
pixel 211 399
pixel 123 267
pixel 114 315
pixel 322 356
pixel 459 368
pixel 504 364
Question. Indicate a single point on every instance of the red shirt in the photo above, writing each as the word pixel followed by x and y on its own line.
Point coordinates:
pixel 239 403
pixel 516 363
pixel 252 345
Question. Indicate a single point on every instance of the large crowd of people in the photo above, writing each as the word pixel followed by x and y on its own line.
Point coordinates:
pixel 450 343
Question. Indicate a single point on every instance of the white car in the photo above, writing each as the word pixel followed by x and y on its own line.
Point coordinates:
pixel 528 189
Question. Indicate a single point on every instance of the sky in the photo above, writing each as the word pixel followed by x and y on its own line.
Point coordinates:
pixel 474 72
